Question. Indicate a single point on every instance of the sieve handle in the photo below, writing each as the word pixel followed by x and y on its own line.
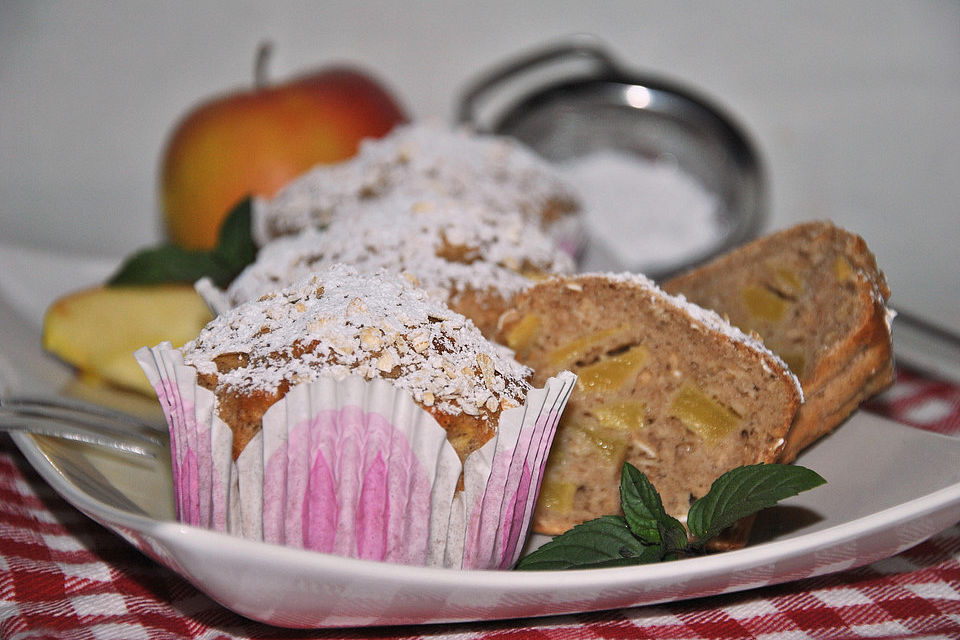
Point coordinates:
pixel 582 47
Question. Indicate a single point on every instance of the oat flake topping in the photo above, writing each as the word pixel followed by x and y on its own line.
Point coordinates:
pixel 338 322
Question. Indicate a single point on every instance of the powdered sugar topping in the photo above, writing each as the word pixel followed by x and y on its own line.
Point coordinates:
pixel 450 247
pixel 338 322
pixel 420 160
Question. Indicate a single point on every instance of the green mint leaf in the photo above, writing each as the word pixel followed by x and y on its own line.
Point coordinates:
pixel 643 510
pixel 602 542
pixel 743 491
pixel 235 247
pixel 168 263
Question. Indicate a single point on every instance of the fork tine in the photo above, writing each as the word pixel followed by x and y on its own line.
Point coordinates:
pixel 80 422
pixel 92 417
pixel 71 430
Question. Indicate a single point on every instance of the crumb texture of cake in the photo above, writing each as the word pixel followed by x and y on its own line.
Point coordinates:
pixel 425 160
pixel 474 258
pixel 663 384
pixel 338 322
pixel 815 296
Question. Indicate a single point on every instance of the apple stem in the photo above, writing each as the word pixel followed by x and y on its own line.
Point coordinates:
pixel 264 50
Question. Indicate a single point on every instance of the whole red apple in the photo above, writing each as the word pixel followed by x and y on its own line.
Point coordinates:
pixel 254 142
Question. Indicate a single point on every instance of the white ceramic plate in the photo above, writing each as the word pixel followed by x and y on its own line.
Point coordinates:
pixel 890 487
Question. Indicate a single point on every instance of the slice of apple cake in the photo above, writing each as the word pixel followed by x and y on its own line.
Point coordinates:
pixel 815 296
pixel 666 385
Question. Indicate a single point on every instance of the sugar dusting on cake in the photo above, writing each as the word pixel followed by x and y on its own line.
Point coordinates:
pixel 338 322
pixel 420 159
pixel 449 246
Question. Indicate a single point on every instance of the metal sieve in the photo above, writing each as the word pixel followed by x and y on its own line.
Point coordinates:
pixel 601 106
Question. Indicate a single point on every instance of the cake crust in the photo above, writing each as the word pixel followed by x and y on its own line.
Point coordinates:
pixel 815 295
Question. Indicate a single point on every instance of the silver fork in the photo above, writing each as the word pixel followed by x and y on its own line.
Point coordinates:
pixel 82 422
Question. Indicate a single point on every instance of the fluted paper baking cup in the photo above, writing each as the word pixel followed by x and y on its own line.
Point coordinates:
pixel 356 468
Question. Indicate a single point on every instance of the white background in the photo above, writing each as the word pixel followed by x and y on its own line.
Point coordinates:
pixel 854 104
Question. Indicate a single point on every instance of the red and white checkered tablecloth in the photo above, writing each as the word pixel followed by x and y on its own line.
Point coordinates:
pixel 63 576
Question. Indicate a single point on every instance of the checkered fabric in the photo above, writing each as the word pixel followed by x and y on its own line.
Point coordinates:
pixel 62 576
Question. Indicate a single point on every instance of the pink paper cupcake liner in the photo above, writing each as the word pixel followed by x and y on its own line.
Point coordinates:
pixel 356 468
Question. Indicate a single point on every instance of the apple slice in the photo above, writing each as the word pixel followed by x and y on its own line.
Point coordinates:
pixel 98 329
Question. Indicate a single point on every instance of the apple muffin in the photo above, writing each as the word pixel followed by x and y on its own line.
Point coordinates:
pixel 663 384
pixel 815 296
pixel 354 414
pixel 339 322
pixel 474 258
pixel 427 161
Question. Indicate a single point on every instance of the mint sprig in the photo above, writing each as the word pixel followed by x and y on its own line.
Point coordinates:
pixel 646 533
pixel 170 263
